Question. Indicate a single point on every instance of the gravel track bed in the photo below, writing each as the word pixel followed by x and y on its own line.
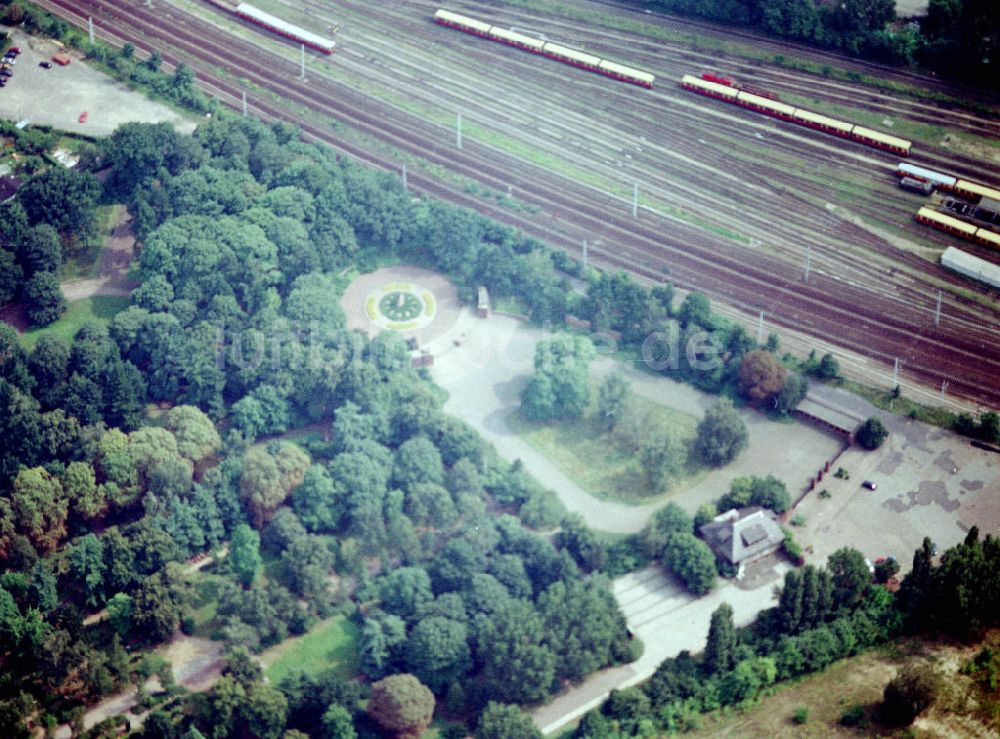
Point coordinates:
pixel 651 241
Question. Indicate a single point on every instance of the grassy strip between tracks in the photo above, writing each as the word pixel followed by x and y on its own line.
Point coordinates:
pixel 742 50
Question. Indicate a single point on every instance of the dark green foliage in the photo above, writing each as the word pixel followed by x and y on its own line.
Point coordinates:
pixel 502 721
pixel 437 652
pixel 854 717
pixel 62 198
pixel 850 576
pixel 697 310
pixel 671 519
pixel 691 560
pixel 612 399
pixel 872 433
pixel 886 570
pixel 720 649
pixel 559 387
pixel 791 394
pixel 582 543
pixel 244 554
pixel 767 492
pixel 44 298
pixel 401 704
pixel 722 435
pixel 10 277
pixel 41 250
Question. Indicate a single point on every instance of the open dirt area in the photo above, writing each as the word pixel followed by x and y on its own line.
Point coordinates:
pixel 58 96
pixel 930 483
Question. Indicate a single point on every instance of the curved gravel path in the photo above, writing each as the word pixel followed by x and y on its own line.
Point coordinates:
pixel 484 375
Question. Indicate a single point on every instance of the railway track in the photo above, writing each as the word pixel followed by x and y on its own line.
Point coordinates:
pixel 645 247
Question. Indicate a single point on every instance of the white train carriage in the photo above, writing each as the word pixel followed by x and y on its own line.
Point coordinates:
pixel 766 105
pixel 971 266
pixel 822 122
pixel 513 38
pixel 939 180
pixel 881 140
pixel 988 238
pixel 627 74
pixel 571 56
pixel 942 222
pixel 462 23
pixel 975 191
pixel 712 89
pixel 284 28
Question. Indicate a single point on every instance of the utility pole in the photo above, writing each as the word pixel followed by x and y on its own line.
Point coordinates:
pixel 584 257
pixel 404 175
pixel 937 310
pixel 635 200
pixel 244 104
pixel 302 61
pixel 808 260
pixel 458 129
pixel 760 328
pixel 895 374
pixel 944 386
pixel 90 29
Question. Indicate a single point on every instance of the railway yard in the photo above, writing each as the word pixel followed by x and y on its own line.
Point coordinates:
pixel 761 215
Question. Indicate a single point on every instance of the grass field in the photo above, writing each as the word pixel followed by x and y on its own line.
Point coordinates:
pixel 331 643
pixel 859 681
pixel 589 458
pixel 99 308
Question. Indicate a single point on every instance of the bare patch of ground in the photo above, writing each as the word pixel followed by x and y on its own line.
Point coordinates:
pixel 196 663
pixel 112 264
pixel 58 96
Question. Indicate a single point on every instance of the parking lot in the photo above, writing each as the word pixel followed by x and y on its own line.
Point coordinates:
pixel 929 482
pixel 58 96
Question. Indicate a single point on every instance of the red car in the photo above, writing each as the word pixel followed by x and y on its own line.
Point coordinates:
pixel 83 117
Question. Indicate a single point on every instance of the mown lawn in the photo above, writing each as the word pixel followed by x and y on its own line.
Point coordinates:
pixel 590 458
pixel 332 643
pixel 98 308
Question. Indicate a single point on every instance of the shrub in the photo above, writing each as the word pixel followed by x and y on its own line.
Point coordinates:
pixel 908 694
pixel 872 433
pixel 801 715
pixel 854 716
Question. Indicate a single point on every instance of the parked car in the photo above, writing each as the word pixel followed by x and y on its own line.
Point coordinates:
pixel 6 73
pixel 870 485
pixel 15 50
pixel 45 65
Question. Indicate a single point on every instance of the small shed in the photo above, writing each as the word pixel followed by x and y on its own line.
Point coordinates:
pixel 483 302
pixel 61 59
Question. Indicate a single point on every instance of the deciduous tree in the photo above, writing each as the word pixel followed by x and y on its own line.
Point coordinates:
pixel 44 298
pixel 244 554
pixel 401 704
pixel 722 435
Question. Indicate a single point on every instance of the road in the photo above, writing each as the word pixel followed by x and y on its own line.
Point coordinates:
pixel 668 620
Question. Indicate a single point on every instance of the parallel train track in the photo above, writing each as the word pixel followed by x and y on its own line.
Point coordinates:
pixel 823 306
